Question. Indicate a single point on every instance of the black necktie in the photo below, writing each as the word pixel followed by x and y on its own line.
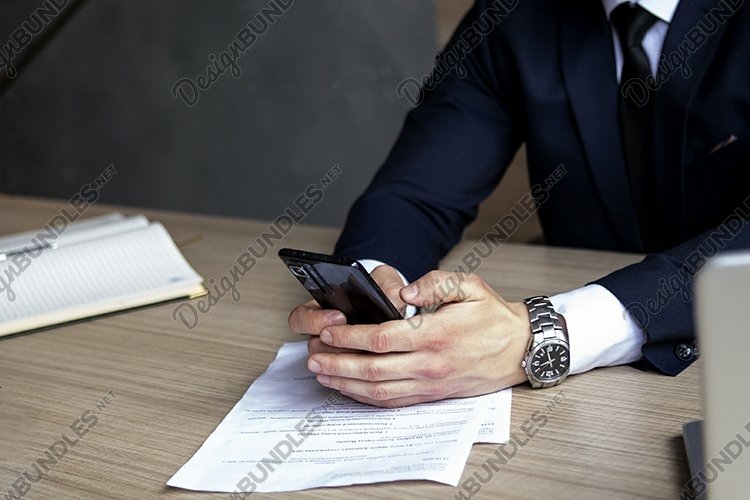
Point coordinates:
pixel 632 22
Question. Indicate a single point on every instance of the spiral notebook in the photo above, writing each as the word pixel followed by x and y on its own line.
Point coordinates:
pixel 94 266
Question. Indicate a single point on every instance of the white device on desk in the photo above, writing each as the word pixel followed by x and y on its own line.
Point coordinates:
pixel 723 302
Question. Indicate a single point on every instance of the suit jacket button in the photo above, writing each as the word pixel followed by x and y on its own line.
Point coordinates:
pixel 685 352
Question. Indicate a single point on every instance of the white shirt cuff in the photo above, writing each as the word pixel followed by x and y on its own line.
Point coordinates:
pixel 371 264
pixel 600 329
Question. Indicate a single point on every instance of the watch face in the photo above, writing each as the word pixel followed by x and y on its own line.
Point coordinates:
pixel 550 361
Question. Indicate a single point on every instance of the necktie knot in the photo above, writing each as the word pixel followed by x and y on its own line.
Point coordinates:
pixel 632 22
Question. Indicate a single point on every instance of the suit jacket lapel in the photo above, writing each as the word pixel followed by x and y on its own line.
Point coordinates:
pixel 588 64
pixel 685 59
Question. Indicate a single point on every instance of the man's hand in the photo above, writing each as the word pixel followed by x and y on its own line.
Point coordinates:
pixel 473 344
pixel 309 318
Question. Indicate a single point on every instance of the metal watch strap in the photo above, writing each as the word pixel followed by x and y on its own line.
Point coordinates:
pixel 545 325
pixel 544 320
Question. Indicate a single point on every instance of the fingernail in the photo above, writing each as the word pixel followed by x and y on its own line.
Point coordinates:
pixel 324 379
pixel 410 291
pixel 325 336
pixel 314 366
pixel 336 318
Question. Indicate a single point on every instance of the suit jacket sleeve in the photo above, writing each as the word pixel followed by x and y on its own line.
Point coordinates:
pixel 450 154
pixel 658 294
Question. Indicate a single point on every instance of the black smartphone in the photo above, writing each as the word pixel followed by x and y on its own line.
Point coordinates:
pixel 340 283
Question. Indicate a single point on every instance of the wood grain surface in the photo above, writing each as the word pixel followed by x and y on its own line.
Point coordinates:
pixel 162 388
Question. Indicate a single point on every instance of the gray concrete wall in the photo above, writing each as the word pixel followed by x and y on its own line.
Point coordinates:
pixel 317 89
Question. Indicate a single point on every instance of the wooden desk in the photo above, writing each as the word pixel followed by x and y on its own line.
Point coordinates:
pixel 617 434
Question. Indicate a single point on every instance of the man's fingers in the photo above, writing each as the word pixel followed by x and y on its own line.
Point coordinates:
pixel 391 336
pixel 391 284
pixel 391 403
pixel 441 287
pixel 388 393
pixel 310 318
pixel 367 366
pixel 314 346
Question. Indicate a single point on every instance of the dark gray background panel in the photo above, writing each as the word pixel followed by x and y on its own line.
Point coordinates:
pixel 318 89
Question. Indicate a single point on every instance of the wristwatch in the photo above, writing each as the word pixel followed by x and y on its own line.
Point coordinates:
pixel 547 361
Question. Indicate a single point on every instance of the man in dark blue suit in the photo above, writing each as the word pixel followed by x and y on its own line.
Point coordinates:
pixel 639 112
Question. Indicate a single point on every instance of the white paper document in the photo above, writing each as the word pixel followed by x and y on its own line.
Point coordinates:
pixel 290 433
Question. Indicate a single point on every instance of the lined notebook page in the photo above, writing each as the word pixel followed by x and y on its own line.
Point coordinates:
pixel 19 241
pixel 101 231
pixel 72 282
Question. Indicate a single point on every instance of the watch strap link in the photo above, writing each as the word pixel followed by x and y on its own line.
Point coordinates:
pixel 545 323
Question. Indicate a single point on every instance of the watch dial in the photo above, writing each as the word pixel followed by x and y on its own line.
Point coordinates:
pixel 550 362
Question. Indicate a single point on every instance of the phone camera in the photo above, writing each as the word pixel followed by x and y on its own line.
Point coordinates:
pixel 298 271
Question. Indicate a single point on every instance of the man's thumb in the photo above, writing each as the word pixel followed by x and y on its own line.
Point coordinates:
pixel 391 284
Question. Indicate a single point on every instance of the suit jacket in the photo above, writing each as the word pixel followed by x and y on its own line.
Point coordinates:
pixel 545 75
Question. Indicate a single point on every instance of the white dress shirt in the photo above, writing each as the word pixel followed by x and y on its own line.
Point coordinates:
pixel 600 330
